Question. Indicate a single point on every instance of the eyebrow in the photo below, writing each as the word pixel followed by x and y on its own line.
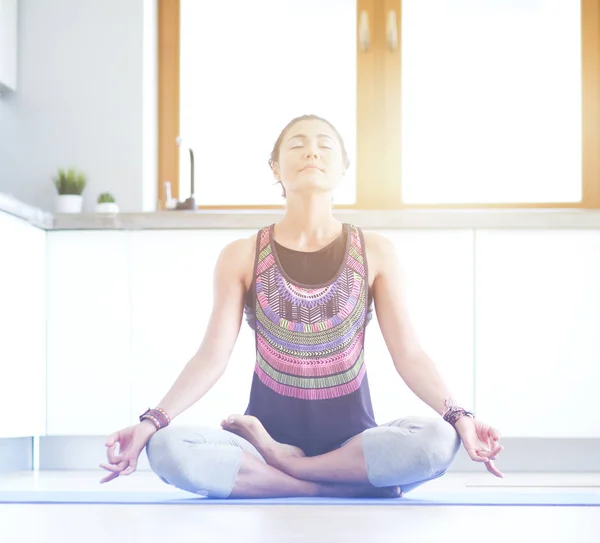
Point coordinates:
pixel 304 136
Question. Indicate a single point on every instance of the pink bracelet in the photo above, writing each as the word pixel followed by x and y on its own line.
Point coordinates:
pixel 157 416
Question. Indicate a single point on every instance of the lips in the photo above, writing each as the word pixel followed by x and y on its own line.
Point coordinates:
pixel 310 167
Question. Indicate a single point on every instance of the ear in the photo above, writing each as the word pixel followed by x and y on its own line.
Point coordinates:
pixel 275 170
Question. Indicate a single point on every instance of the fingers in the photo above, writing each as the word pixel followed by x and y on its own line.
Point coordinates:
pixel 109 478
pixel 491 467
pixel 118 468
pixel 496 451
pixel 487 460
pixel 493 453
pixel 495 434
pixel 116 471
pixel 112 439
pixel 478 456
pixel 122 470
pixel 124 463
pixel 112 457
pixel 130 469
pixel 485 455
pixel 490 453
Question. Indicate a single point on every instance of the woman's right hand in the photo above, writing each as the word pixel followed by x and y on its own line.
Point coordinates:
pixel 131 442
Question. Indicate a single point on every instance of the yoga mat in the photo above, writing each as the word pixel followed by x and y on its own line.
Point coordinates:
pixel 187 498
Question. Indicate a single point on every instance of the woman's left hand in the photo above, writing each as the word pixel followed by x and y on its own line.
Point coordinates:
pixel 480 441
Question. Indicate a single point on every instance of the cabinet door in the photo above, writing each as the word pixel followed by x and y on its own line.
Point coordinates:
pixel 172 296
pixel 438 269
pixel 538 332
pixel 22 328
pixel 89 332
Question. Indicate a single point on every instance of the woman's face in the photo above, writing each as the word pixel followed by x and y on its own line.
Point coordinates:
pixel 310 158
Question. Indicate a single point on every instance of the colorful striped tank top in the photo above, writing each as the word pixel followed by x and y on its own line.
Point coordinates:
pixel 310 386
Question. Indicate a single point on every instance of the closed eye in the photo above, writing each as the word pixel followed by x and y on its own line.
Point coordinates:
pixel 300 147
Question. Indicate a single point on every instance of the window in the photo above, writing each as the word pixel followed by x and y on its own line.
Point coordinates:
pixel 491 101
pixel 247 68
pixel 469 103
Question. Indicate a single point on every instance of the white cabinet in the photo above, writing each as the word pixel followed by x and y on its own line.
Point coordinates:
pixel 538 332
pixel 89 332
pixel 171 292
pixel 22 328
pixel 510 318
pixel 439 289
pixel 128 310
pixel 8 44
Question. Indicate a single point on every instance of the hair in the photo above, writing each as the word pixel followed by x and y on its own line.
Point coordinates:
pixel 276 148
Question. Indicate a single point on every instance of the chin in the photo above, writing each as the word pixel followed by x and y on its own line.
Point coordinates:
pixel 311 184
pixel 313 190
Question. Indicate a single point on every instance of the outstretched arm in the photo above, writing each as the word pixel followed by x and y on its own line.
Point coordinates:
pixel 411 361
pixel 208 364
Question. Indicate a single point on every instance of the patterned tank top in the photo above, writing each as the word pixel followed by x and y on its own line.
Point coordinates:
pixel 310 386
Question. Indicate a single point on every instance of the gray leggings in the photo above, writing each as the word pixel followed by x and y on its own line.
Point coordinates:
pixel 406 452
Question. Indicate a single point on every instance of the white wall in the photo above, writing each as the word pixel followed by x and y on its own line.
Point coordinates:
pixel 22 328
pixel 83 80
pixel 8 45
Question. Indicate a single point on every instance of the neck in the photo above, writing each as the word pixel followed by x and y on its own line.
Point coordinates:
pixel 308 218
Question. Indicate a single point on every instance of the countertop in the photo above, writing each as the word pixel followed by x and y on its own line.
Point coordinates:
pixel 255 219
pixel 31 214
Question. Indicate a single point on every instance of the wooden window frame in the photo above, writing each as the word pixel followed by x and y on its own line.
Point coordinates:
pixel 378 115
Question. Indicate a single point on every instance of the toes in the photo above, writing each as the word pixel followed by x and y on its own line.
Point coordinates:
pixel 394 492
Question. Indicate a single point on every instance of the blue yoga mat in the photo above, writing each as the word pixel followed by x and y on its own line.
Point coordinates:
pixel 187 498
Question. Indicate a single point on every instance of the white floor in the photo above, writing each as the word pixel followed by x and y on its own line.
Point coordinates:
pixel 250 524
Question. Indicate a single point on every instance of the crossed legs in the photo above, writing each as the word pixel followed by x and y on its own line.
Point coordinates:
pixel 406 453
pixel 243 461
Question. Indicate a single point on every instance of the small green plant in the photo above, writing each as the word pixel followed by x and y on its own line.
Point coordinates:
pixel 70 181
pixel 106 198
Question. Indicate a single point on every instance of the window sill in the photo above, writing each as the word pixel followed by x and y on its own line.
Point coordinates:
pixel 380 220
pixel 253 219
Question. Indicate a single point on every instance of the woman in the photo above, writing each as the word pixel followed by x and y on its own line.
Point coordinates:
pixel 307 285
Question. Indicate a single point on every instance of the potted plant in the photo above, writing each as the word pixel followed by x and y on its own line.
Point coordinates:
pixel 70 185
pixel 106 203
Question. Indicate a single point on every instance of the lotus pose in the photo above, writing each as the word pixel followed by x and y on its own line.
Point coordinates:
pixel 307 285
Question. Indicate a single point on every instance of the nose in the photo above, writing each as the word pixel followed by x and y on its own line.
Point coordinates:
pixel 312 151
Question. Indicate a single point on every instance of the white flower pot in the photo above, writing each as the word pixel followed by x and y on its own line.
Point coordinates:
pixel 107 207
pixel 69 203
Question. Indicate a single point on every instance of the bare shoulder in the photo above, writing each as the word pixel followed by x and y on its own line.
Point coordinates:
pixel 378 242
pixel 238 249
pixel 381 252
pixel 237 257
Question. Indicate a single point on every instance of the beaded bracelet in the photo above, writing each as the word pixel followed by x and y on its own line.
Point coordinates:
pixel 452 412
pixel 157 416
pixel 456 413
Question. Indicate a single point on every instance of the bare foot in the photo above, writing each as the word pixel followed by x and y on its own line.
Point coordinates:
pixel 250 428
pixel 358 491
